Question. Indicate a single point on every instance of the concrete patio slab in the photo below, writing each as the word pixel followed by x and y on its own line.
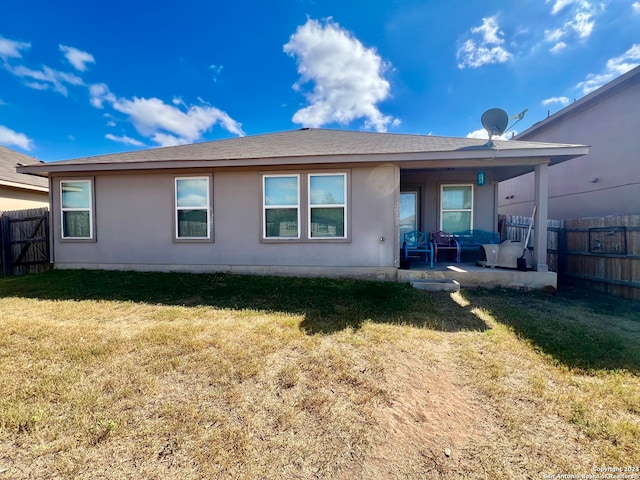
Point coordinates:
pixel 470 275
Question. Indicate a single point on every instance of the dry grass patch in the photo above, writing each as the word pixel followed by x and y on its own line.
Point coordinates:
pixel 121 375
pixel 568 403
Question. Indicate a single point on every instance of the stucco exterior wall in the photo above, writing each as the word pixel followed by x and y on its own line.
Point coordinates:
pixel 604 182
pixel 17 199
pixel 134 223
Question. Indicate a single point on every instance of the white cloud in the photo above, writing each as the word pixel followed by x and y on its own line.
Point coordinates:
pixel 168 125
pixel 553 35
pixel 46 78
pixel 582 23
pixel 165 124
pixel 124 139
pixel 11 137
pixel 558 5
pixel 12 48
pixel 490 31
pixel 486 49
pixel 77 58
pixel 482 134
pixel 615 67
pixel 636 7
pixel 560 100
pixel 99 93
pixel 577 22
pixel 43 79
pixel 347 77
pixel 216 70
pixel 558 47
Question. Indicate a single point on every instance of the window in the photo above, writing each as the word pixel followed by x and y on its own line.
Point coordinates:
pixel 305 207
pixel 327 205
pixel 192 208
pixel 77 209
pixel 281 201
pixel 456 213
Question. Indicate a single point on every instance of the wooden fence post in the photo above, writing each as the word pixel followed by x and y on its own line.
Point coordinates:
pixel 5 232
pixel 562 253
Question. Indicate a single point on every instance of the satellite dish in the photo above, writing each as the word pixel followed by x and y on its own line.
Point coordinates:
pixel 494 121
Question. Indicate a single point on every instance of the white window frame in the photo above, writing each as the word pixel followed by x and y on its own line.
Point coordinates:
pixel 311 206
pixel 89 209
pixel 266 207
pixel 178 208
pixel 442 210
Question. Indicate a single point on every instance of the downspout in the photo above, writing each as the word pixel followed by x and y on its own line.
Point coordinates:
pixel 51 224
pixel 396 217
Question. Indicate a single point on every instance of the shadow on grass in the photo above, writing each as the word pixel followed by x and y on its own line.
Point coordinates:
pixel 327 305
pixel 577 328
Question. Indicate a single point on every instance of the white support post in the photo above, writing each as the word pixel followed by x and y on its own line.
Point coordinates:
pixel 540 220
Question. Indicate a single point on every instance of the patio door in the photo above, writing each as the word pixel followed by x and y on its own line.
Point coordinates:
pixel 409 214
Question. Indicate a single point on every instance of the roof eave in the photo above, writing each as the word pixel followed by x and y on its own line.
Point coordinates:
pixel 556 154
pixel 23 186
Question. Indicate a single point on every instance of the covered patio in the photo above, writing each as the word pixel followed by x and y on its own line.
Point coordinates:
pixel 460 195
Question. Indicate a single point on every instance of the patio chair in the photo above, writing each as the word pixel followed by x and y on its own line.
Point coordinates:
pixel 444 241
pixel 417 243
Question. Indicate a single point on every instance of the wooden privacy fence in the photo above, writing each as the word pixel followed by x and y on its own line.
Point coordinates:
pixel 24 241
pixel 602 253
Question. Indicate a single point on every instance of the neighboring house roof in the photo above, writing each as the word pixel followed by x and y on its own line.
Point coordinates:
pixel 9 160
pixel 315 146
pixel 612 88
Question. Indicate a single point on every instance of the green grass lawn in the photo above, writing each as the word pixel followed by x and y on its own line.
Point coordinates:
pixel 150 375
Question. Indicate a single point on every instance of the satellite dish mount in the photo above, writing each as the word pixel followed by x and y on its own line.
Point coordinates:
pixel 494 121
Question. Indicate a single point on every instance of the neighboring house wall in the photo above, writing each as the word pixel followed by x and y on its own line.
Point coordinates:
pixel 19 191
pixel 21 199
pixel 604 182
pixel 134 219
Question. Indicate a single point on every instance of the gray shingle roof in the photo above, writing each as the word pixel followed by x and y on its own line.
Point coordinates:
pixel 308 142
pixel 9 159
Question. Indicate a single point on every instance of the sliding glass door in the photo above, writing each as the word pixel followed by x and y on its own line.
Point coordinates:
pixel 409 214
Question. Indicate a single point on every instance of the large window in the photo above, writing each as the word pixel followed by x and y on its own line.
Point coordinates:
pixel 193 208
pixel 456 214
pixel 281 202
pixel 305 207
pixel 327 205
pixel 76 203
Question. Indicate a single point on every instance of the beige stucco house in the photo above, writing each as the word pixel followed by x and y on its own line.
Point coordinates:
pixel 607 180
pixel 17 190
pixel 304 202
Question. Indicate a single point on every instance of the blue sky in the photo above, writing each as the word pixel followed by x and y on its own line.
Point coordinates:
pixel 82 78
